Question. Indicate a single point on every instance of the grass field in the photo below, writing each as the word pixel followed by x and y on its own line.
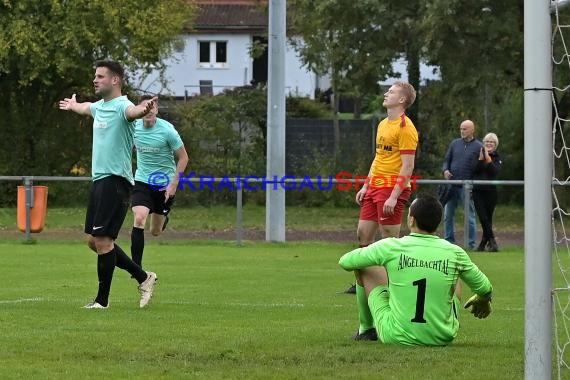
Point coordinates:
pixel 225 312
pixel 507 218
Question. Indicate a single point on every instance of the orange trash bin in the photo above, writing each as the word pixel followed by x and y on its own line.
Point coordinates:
pixel 38 210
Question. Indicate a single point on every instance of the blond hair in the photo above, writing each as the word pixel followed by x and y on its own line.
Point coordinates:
pixel 493 137
pixel 407 91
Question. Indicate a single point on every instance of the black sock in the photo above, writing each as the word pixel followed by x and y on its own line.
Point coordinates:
pixel 137 245
pixel 124 262
pixel 105 268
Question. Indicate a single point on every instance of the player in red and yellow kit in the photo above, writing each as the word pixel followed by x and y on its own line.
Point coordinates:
pixel 383 197
pixel 387 189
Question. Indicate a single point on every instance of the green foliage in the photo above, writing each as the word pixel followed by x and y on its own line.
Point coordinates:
pixel 305 108
pixel 320 164
pixel 509 127
pixel 225 135
pixel 441 126
pixel 475 42
pixel 257 49
pixel 47 51
pixel 354 49
pixel 476 45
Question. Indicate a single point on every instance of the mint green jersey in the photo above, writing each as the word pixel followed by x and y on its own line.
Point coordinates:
pixel 155 150
pixel 112 139
pixel 423 271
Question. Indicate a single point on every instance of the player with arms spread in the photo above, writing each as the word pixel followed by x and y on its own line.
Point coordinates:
pixel 411 283
pixel 112 174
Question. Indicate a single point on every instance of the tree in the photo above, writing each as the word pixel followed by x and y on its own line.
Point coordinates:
pixel 478 46
pixel 355 49
pixel 47 51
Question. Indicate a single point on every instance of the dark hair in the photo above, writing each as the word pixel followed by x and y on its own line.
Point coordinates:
pixel 427 211
pixel 112 66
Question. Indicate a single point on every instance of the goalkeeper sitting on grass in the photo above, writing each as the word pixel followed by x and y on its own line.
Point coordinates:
pixel 418 304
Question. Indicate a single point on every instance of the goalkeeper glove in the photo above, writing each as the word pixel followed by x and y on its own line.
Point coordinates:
pixel 481 306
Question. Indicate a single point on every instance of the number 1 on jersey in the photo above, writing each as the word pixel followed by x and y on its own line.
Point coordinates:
pixel 420 301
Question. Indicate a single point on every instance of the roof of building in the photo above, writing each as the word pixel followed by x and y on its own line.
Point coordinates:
pixel 228 15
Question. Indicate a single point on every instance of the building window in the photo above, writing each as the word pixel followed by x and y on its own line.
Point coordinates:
pixel 204 52
pixel 213 54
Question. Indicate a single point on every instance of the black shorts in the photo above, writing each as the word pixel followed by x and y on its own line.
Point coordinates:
pixel 108 206
pixel 145 195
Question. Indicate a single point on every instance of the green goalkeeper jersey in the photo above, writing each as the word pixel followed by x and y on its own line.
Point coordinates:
pixel 423 271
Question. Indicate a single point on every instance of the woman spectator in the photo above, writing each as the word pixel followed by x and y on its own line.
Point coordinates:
pixel 485 196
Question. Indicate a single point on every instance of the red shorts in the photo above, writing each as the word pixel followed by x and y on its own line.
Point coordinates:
pixel 373 205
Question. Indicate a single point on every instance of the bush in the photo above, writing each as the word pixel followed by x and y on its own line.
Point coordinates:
pixel 305 108
pixel 224 136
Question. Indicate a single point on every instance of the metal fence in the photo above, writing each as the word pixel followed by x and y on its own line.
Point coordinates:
pixel 309 139
pixel 28 183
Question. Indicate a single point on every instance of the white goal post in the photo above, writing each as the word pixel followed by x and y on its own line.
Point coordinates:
pixel 538 189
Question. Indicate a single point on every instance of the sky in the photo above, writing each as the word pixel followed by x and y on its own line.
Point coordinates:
pixel 426 72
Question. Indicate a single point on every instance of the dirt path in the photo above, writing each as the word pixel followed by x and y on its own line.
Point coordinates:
pixel 510 238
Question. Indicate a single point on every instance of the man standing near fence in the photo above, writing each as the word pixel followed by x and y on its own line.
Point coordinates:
pixel 459 163
pixel 156 178
pixel 383 197
pixel 112 174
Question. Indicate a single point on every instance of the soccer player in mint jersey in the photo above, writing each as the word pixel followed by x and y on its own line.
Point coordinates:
pixel 411 283
pixel 112 174
pixel 157 144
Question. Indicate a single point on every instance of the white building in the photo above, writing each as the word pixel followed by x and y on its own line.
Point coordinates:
pixel 216 54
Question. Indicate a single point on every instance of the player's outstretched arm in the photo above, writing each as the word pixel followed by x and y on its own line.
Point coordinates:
pixel 138 111
pixel 71 104
pixel 480 305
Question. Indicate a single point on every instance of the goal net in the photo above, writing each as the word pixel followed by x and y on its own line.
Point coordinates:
pixel 560 16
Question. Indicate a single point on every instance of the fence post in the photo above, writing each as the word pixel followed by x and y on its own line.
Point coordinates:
pixel 239 216
pixel 467 187
pixel 29 204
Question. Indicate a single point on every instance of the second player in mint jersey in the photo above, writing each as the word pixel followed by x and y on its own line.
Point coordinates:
pixel 159 149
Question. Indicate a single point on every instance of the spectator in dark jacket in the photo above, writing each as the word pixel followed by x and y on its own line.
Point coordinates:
pixel 459 164
pixel 485 196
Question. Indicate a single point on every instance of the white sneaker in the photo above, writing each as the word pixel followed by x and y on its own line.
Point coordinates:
pixel 146 289
pixel 95 305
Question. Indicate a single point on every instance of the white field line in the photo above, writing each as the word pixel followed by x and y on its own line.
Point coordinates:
pixel 234 304
pixel 22 300
pixel 124 300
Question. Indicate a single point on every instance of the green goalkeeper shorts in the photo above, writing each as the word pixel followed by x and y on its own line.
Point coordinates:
pixel 390 331
pixel 379 304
